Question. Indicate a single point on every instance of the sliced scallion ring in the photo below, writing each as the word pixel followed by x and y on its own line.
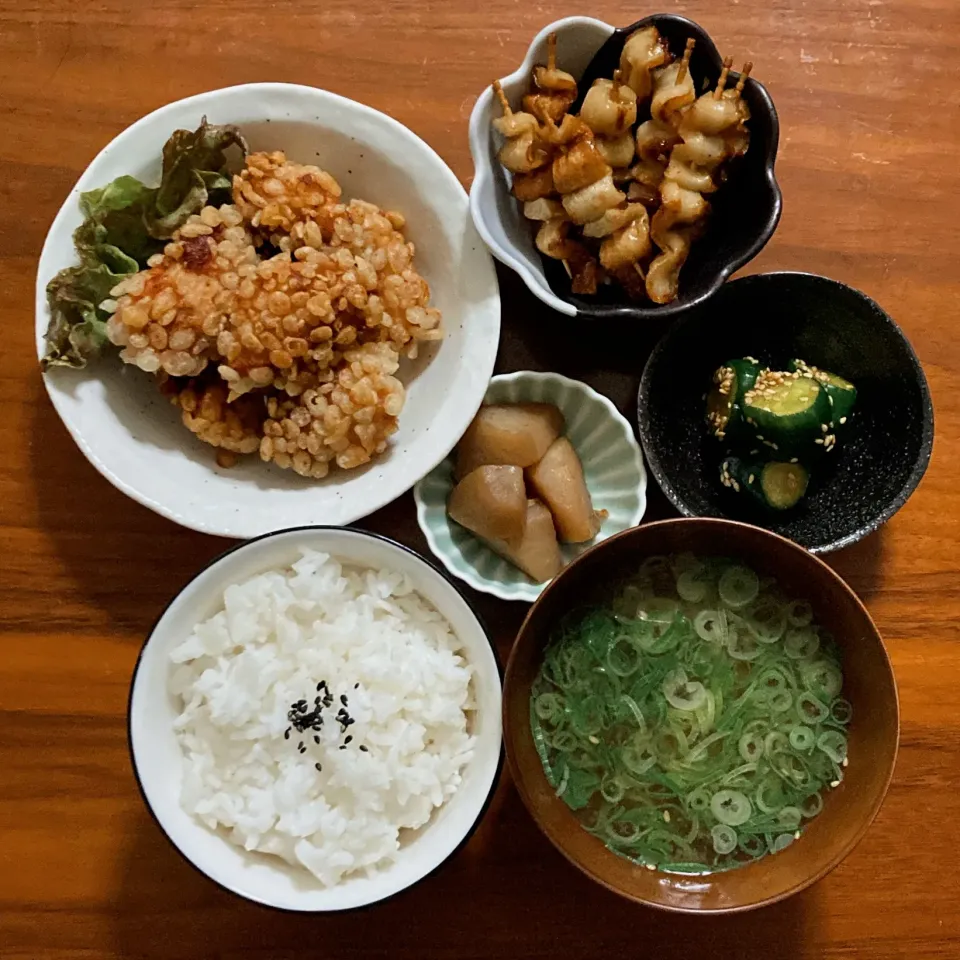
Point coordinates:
pixel 692 586
pixel 802 738
pixel 738 586
pixel 750 747
pixel 711 625
pixel 789 817
pixel 801 643
pixel 731 807
pixel 841 710
pixel 782 842
pixel 833 744
pixel 724 838
pixel 799 613
pixel 822 678
pixel 812 805
pixel 681 693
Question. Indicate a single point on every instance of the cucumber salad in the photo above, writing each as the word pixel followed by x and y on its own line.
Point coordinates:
pixel 778 424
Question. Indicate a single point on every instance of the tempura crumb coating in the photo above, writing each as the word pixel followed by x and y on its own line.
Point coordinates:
pixel 272 193
pixel 347 421
pixel 311 336
pixel 235 426
pixel 168 317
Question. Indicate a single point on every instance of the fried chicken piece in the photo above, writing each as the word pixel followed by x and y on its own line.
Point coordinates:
pixel 168 317
pixel 347 421
pixel 274 193
pixel 324 294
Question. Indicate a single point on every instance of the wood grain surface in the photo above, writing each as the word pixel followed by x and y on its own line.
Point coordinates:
pixel 869 100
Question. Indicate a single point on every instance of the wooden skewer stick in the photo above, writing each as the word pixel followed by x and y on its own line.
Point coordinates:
pixel 744 73
pixel 502 97
pixel 722 82
pixel 552 52
pixel 685 61
pixel 617 81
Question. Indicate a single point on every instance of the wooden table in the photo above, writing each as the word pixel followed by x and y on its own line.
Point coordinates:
pixel 868 95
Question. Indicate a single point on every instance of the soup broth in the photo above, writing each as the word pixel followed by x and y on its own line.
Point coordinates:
pixel 694 721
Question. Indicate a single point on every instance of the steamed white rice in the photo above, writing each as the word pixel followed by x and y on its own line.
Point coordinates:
pixel 371 638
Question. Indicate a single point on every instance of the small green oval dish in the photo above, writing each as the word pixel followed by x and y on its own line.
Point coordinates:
pixel 612 466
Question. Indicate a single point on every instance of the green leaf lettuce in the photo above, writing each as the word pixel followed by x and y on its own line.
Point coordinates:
pixel 125 223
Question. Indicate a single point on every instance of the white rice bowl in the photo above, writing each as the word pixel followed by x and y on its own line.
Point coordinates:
pixel 378 647
pixel 255 634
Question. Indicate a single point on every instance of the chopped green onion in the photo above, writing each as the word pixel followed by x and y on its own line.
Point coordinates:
pixel 549 706
pixel 780 701
pixel 841 711
pixel 782 842
pixel 696 713
pixel 612 790
pixel 822 678
pixel 682 693
pixel 731 807
pixel 810 709
pixel 775 742
pixel 801 644
pixel 812 805
pixel 691 586
pixel 767 619
pixel 789 817
pixel 750 746
pixel 738 586
pixel 799 613
pixel 802 738
pixel 711 625
pixel 833 744
pixel 752 845
pixel 623 657
pixel 724 838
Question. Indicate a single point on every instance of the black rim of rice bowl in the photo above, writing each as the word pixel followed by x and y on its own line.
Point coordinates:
pixel 150 633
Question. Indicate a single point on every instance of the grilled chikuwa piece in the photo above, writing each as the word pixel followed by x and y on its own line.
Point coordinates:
pixel 554 90
pixel 524 150
pixel 710 131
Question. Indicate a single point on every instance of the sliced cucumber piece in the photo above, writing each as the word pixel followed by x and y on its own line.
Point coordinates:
pixel 725 400
pixel 841 393
pixel 788 413
pixel 773 484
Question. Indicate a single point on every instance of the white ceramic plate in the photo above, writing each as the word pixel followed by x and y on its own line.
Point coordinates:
pixel 158 762
pixel 612 467
pixel 495 211
pixel 135 438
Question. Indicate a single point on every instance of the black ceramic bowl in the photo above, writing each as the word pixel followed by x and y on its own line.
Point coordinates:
pixel 745 211
pixel 774 317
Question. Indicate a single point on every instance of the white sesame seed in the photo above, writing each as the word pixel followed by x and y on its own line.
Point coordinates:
pixel 650 866
pixel 593 739
pixel 819 440
pixel 666 816
pixel 796 836
pixel 794 459
pixel 845 762
pixel 834 783
pixel 843 420
pixel 751 478
pixel 824 428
